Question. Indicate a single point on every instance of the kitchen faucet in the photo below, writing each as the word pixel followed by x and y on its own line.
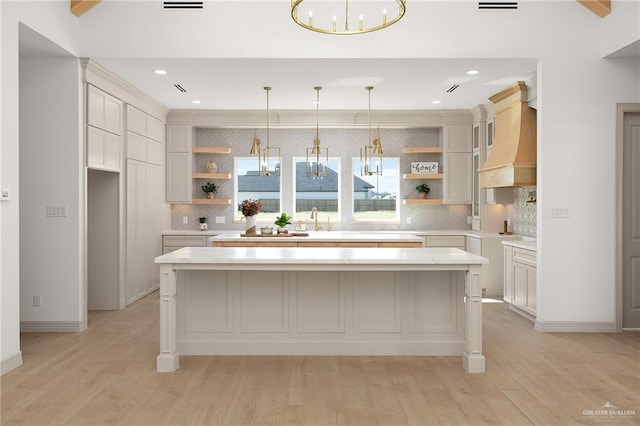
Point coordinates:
pixel 314 215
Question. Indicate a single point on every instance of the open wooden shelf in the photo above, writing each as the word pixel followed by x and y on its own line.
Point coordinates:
pixel 211 150
pixel 211 175
pixel 423 201
pixel 423 176
pixel 423 150
pixel 211 201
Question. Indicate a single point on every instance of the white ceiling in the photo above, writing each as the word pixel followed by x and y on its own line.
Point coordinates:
pixel 399 84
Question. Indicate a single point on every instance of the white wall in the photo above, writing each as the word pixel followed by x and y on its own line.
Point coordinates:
pixel 53 20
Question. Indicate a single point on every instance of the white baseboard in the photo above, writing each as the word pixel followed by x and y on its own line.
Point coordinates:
pixel 522 312
pixel 576 326
pixel 52 326
pixel 10 363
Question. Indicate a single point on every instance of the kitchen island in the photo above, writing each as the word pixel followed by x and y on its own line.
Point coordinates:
pixel 320 301
pixel 318 239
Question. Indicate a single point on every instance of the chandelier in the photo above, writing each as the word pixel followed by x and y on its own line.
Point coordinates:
pixel 317 169
pixel 269 158
pixel 338 21
pixel 372 150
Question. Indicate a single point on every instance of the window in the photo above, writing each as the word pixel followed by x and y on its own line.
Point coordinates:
pixel 375 198
pixel 250 185
pixel 321 193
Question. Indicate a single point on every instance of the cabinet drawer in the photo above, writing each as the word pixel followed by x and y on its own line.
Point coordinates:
pixel 317 244
pixel 446 241
pixel 474 245
pixel 526 257
pixel 184 241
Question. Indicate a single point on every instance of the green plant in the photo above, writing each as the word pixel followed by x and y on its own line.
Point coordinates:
pixel 210 187
pixel 423 187
pixel 283 220
pixel 202 219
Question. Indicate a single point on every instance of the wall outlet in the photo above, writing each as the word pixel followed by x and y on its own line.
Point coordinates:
pixel 5 195
pixel 185 220
pixel 56 211
pixel 559 212
pixel 469 220
pixel 37 300
pixel 220 219
pixel 409 220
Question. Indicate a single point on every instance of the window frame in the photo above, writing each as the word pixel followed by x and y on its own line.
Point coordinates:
pixel 338 217
pixel 355 171
pixel 261 217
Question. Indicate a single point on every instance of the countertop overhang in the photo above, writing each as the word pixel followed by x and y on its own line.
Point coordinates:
pixel 321 258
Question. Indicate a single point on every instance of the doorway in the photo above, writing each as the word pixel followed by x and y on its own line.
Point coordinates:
pixel 629 217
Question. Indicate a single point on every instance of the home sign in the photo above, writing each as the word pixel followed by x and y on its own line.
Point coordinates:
pixel 424 167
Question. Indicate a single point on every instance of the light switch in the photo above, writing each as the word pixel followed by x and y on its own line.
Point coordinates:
pixel 556 212
pixel 5 195
pixel 56 211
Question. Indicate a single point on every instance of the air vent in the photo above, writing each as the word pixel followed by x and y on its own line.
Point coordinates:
pixel 182 4
pixel 180 88
pixel 452 88
pixel 498 5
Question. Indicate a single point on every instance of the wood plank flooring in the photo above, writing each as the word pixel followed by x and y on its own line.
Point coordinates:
pixel 106 376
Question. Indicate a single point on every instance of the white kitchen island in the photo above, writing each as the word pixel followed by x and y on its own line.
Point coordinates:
pixel 320 301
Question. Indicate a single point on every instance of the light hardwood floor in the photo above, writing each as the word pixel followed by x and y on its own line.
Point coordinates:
pixel 106 375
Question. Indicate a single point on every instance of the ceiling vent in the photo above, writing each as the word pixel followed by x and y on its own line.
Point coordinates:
pixel 498 5
pixel 182 5
pixel 452 88
pixel 180 88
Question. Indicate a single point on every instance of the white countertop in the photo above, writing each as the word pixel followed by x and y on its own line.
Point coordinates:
pixel 418 232
pixel 326 236
pixel 322 257
pixel 524 244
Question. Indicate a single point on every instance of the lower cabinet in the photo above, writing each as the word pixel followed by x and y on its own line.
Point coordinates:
pixel 491 279
pixel 175 242
pixel 520 274
pixel 454 241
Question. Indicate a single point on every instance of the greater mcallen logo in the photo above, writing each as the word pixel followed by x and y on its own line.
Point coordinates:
pixel 609 410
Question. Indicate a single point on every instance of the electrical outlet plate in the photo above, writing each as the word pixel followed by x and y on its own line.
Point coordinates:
pixel 409 220
pixel 56 211
pixel 5 195
pixel 37 300
pixel 559 212
pixel 185 220
pixel 220 219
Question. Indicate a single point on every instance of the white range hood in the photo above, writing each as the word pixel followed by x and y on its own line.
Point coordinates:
pixel 513 158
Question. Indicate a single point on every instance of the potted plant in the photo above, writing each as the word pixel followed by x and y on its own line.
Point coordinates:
pixel 282 221
pixel 210 188
pixel 423 189
pixel 203 223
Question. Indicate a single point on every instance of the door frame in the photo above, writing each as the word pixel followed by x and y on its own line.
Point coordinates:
pixel 622 110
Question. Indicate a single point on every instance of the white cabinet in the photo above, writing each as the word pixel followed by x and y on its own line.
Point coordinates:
pixel 457 138
pixel 144 228
pixel 145 137
pixel 144 124
pixel 104 111
pixel 457 178
pixel 103 150
pixel 492 276
pixel 520 274
pixel 455 241
pixel 175 242
pixel 179 163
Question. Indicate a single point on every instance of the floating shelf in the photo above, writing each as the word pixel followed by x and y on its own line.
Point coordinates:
pixel 211 201
pixel 423 201
pixel 211 175
pixel 211 150
pixel 423 150
pixel 423 176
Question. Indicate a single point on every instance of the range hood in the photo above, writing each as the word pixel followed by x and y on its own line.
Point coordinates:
pixel 512 161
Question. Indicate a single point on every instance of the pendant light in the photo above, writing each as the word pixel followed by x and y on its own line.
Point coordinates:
pixel 316 155
pixel 269 158
pixel 371 153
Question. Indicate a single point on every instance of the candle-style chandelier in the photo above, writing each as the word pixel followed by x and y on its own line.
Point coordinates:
pixel 338 21
pixel 372 151
pixel 317 158
pixel 269 158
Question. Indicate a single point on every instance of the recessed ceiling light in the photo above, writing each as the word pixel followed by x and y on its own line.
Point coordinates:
pixel 160 72
pixel 473 72
pixel 436 102
pixel 195 101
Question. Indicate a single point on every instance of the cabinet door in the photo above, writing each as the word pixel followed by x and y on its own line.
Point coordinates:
pixel 113 152
pixel 155 129
pixel 475 207
pixel 103 150
pixel 136 146
pixel 532 287
pixel 457 178
pixel 103 110
pixel 136 121
pixel 457 138
pixel 179 138
pixel 474 245
pixel 508 274
pixel 520 285
pixel 179 177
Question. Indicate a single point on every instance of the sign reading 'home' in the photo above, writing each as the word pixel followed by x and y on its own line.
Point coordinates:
pixel 424 167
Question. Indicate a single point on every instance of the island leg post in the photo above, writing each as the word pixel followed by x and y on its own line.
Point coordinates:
pixel 168 360
pixel 472 360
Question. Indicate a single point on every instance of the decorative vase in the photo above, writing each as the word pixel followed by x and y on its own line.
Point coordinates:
pixel 203 226
pixel 250 225
pixel 423 195
pixel 210 195
pixel 212 167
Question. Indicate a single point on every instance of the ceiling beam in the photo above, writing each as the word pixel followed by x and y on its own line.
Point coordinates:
pixel 600 7
pixel 80 7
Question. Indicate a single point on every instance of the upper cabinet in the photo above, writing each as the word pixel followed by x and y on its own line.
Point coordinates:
pixel 104 111
pixel 458 164
pixel 145 137
pixel 457 138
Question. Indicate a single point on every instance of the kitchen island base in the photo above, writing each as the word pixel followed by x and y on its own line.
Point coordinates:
pixel 339 308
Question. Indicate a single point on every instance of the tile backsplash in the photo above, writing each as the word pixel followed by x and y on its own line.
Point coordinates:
pixel 525 213
pixel 343 143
